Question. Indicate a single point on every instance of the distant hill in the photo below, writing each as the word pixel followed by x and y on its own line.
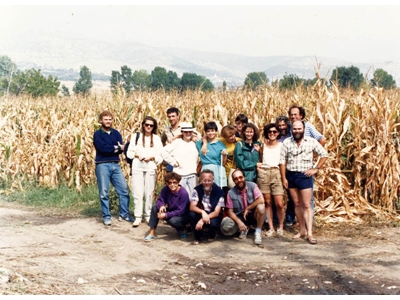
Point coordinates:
pixel 63 57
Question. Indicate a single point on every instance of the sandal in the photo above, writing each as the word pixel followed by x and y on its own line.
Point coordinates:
pixel 195 242
pixel 311 240
pixel 298 236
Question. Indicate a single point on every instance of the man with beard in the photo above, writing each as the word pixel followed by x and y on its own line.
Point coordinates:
pixel 284 126
pixel 108 144
pixel 244 207
pixel 298 113
pixel 297 171
pixel 206 202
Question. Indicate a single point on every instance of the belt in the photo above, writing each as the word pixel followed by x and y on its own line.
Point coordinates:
pixel 269 168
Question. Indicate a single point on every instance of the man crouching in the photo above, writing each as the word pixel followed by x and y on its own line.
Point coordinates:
pixel 244 206
pixel 205 207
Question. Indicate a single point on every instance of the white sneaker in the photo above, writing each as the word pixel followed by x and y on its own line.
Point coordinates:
pixel 270 233
pixel 136 223
pixel 257 238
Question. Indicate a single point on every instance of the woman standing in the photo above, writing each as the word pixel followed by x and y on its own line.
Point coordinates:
pixel 269 177
pixel 212 160
pixel 146 154
pixel 183 156
pixel 246 152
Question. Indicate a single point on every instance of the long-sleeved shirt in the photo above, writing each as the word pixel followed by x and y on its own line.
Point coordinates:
pixel 185 153
pixel 177 203
pixel 145 151
pixel 106 145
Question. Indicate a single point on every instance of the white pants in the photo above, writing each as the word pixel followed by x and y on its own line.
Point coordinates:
pixel 189 182
pixel 143 183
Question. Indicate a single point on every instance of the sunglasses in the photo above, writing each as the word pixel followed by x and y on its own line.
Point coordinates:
pixel 273 131
pixel 172 183
pixel 149 125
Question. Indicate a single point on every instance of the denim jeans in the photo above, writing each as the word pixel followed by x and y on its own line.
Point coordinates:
pixel 177 222
pixel 214 225
pixel 111 172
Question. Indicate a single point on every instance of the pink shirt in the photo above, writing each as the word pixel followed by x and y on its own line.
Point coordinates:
pixel 243 195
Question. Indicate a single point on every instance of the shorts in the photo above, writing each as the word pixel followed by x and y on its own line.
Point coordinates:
pixel 269 181
pixel 297 180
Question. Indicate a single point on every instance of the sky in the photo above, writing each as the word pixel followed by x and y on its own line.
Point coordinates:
pixel 353 32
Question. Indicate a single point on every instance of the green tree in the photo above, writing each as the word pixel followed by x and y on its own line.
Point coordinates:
pixel 39 86
pixel 33 82
pixel 255 79
pixel 290 82
pixel 383 79
pixel 141 80
pixel 115 81
pixel 65 91
pixel 159 78
pixel 173 81
pixel 192 81
pixel 127 79
pixel 84 83
pixel 7 71
pixel 347 77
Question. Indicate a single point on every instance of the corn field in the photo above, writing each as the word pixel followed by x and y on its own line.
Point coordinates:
pixel 49 140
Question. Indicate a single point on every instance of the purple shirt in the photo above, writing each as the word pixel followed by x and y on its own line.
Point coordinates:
pixel 177 203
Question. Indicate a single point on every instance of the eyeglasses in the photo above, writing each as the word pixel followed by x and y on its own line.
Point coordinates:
pixel 273 131
pixel 149 125
pixel 172 182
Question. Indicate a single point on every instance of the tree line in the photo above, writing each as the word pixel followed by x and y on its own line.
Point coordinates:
pixel 32 82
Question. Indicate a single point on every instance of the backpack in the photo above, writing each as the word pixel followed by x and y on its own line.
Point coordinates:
pixel 127 159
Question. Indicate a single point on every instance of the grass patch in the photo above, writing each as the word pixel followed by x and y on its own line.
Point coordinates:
pixel 63 200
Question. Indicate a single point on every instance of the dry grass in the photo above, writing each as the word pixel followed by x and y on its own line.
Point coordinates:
pixel 50 139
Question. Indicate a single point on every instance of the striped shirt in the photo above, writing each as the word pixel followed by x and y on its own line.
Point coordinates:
pixel 300 158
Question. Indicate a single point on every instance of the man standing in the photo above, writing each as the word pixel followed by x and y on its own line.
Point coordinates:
pixel 206 202
pixel 108 144
pixel 245 206
pixel 173 132
pixel 298 113
pixel 297 171
pixel 284 126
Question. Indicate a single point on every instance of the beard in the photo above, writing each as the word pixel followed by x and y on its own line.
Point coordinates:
pixel 241 185
pixel 283 132
pixel 298 136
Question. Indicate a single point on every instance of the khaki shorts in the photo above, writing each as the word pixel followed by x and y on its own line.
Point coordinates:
pixel 269 181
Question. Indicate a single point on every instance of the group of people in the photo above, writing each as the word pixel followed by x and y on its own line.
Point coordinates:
pixel 227 183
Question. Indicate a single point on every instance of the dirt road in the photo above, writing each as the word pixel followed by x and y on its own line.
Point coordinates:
pixel 56 255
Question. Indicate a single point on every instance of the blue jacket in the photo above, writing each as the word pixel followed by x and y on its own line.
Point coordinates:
pixel 106 145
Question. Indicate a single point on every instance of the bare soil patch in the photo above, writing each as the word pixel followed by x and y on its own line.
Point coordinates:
pixel 59 255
